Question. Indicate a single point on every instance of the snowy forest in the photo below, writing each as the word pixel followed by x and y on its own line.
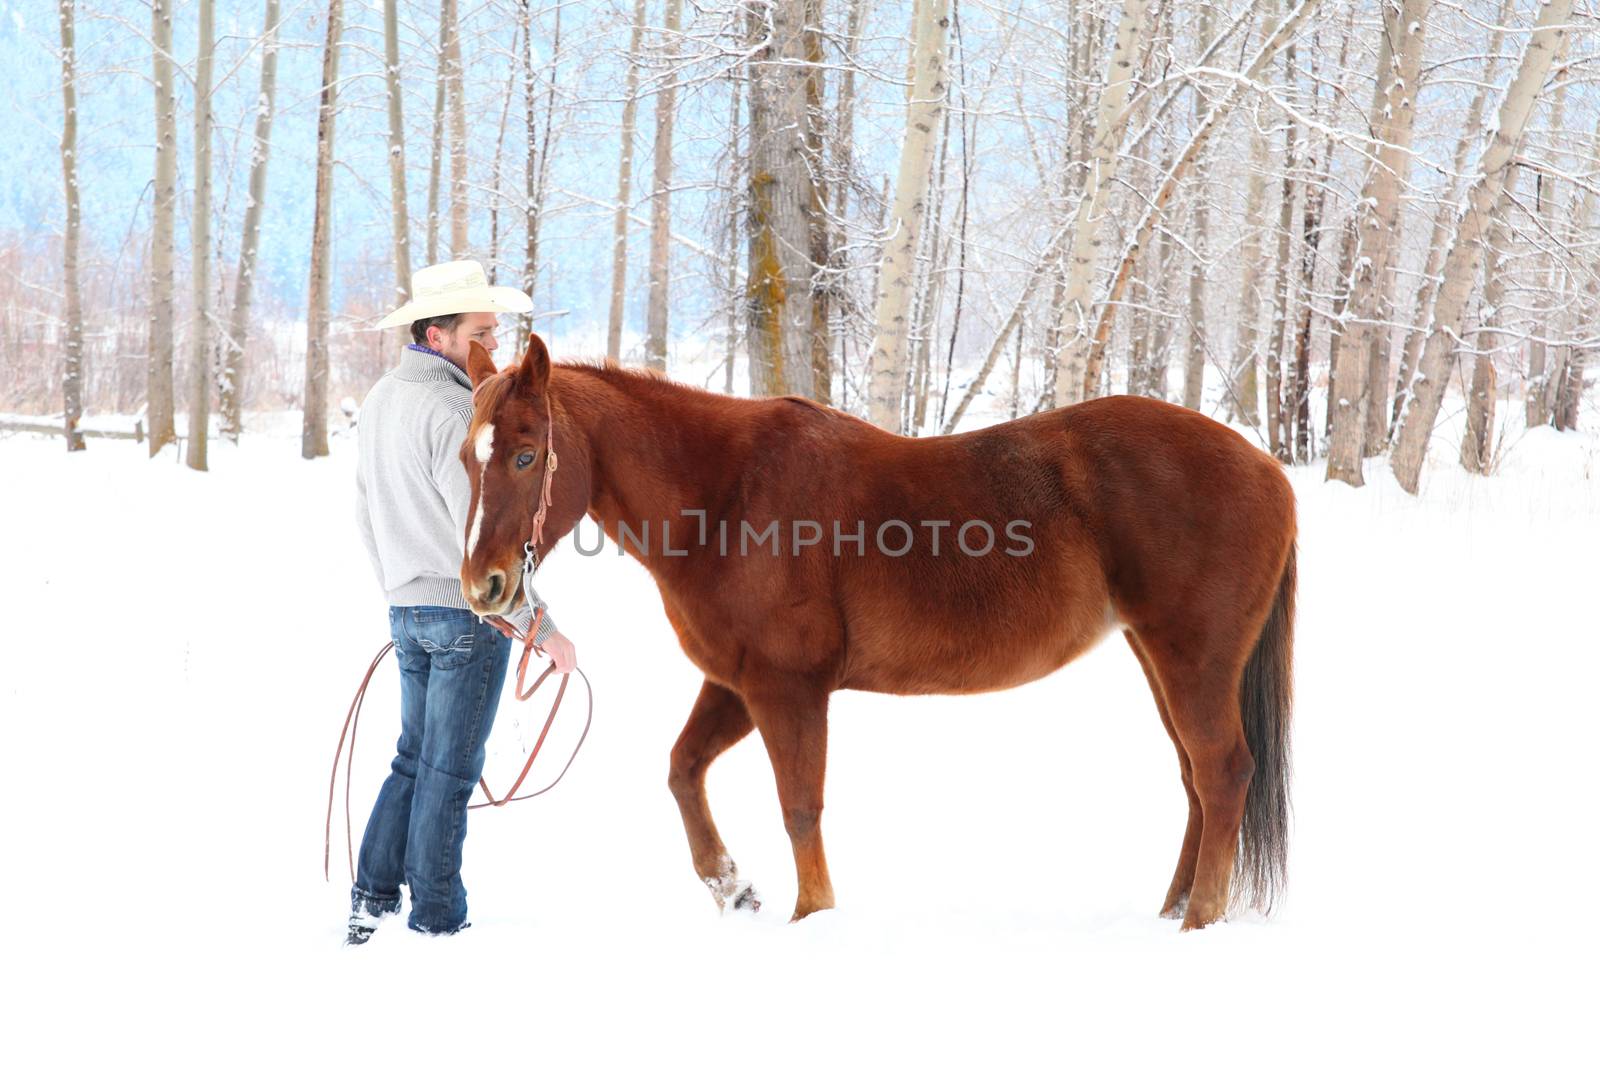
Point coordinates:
pixel 1363 235
pixel 1336 225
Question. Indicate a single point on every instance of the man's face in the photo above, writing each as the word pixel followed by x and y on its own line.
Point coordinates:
pixel 476 326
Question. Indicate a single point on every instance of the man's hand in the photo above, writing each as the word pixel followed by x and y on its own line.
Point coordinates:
pixel 562 653
pixel 560 650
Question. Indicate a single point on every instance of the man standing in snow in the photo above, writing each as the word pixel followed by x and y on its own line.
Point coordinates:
pixel 412 498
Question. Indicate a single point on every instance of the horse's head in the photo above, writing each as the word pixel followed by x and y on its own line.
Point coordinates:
pixel 507 454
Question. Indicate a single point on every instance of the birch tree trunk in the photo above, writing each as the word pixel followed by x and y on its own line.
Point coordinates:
pixel 1550 313
pixel 1194 366
pixel 456 94
pixel 1158 282
pixel 843 156
pixel 1478 440
pixel 400 219
pixel 1570 391
pixel 1367 314
pixel 436 154
pixel 1096 340
pixel 892 316
pixel 1310 238
pixel 655 345
pixel 159 383
pixel 1421 313
pixel 1072 374
pixel 1462 261
pixel 231 400
pixel 72 364
pixel 1277 430
pixel 200 247
pixel 314 430
pixel 1339 310
pixel 537 173
pixel 818 224
pixel 1565 388
pixel 619 224
pixel 1428 290
pixel 731 341
pixel 1536 410
pixel 1245 393
pixel 780 273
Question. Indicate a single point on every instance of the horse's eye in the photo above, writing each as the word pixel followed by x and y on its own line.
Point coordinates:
pixel 524 461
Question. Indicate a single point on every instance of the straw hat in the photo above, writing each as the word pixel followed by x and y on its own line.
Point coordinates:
pixel 452 289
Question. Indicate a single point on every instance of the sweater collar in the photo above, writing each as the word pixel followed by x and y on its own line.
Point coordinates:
pixel 419 363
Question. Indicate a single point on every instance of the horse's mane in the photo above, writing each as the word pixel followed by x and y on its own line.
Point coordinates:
pixel 487 398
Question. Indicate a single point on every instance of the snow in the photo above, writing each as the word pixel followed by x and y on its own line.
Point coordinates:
pixel 183 647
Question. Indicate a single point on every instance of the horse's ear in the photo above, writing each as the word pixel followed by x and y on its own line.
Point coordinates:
pixel 480 365
pixel 534 372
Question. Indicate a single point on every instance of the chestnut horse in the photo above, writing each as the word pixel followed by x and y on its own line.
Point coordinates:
pixel 1121 513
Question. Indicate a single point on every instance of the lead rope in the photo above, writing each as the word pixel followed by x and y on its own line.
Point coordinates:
pixel 352 720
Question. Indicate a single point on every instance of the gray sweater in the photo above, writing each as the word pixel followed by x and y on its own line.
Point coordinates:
pixel 412 492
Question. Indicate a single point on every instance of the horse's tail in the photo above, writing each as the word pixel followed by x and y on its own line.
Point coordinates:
pixel 1266 694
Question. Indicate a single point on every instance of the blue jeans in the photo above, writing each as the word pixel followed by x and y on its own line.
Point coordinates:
pixel 452 668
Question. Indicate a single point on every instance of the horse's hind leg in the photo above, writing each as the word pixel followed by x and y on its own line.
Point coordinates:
pixel 1202 691
pixel 794 725
pixel 717 722
pixel 1183 877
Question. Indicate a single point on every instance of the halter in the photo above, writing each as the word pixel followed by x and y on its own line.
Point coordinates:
pixel 530 547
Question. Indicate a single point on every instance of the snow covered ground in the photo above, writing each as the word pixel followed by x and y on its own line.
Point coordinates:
pixel 180 650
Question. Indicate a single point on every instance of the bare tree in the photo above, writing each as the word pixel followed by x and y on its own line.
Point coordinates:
pixel 1245 391
pixel 1566 373
pixel 1110 118
pixel 619 224
pixel 1215 114
pixel 1277 425
pixel 1393 106
pixel 818 225
pixel 230 401
pixel 1546 192
pixel 441 79
pixel 159 384
pixel 1194 364
pixel 843 158
pixel 400 217
pixel 1477 443
pixel 779 277
pixel 456 94
pixel 655 347
pixel 930 26
pixel 1427 291
pixel 72 365
pixel 314 431
pixel 536 173
pixel 1462 263
pixel 200 247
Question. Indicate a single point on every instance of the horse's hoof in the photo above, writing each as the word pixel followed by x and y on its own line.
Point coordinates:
pixel 734 894
pixel 1174 909
pixel 1195 919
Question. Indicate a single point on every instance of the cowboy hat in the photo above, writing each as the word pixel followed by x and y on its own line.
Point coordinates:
pixel 455 288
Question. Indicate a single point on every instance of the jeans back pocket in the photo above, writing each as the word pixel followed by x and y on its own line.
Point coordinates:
pixel 447 635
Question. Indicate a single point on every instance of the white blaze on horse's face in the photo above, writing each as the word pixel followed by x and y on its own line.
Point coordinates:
pixel 482 448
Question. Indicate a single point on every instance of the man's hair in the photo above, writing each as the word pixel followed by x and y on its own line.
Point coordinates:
pixel 419 329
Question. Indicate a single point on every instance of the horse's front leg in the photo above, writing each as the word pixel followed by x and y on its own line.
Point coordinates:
pixel 793 719
pixel 717 722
